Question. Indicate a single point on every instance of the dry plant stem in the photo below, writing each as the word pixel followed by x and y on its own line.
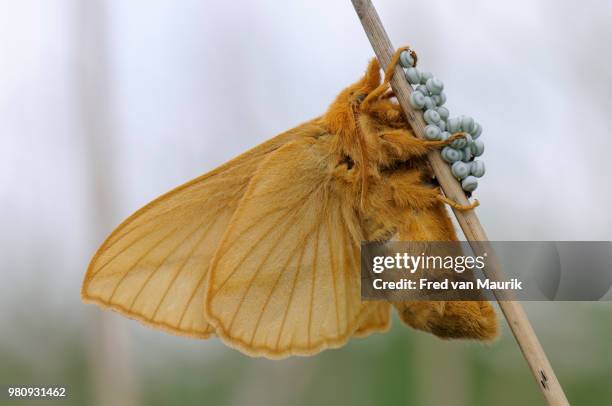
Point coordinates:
pixel 473 230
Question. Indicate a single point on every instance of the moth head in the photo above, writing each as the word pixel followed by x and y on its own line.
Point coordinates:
pixel 343 113
pixel 359 90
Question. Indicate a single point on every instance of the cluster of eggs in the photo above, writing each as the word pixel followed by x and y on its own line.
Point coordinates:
pixel 429 97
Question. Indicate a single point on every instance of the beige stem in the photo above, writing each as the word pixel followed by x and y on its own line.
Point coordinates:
pixel 475 234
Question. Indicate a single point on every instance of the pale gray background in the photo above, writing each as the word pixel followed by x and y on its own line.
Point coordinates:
pixel 104 105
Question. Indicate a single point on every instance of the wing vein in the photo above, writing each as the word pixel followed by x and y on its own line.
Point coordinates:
pixel 196 245
pixel 138 261
pixel 350 251
pixel 193 293
pixel 280 236
pixel 93 275
pixel 251 248
pixel 291 294
pixel 312 288
pixel 280 273
pixel 145 223
pixel 155 217
pixel 150 276
pixel 333 270
pixel 346 269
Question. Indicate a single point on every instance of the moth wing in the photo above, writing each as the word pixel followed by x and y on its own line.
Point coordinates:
pixel 376 319
pixel 285 279
pixel 153 266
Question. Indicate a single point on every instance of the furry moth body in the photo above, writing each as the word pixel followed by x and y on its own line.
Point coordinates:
pixel 264 250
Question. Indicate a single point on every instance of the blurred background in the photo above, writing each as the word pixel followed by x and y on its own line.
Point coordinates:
pixel 104 105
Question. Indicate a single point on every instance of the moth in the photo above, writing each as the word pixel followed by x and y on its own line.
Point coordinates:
pixel 264 251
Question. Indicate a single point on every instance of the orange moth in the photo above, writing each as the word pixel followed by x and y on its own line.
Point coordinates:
pixel 264 251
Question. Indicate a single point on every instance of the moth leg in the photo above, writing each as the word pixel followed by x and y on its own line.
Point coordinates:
pixel 390 113
pixel 409 191
pixel 405 145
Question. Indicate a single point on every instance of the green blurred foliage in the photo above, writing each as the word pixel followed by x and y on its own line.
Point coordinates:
pixel 400 367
